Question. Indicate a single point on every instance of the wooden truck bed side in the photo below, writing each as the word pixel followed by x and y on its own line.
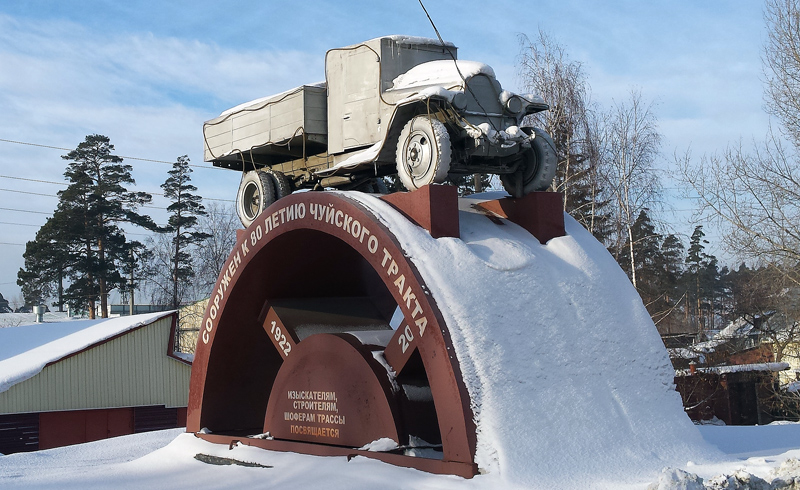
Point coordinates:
pixel 264 124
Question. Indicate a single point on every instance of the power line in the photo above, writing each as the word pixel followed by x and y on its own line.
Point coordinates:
pixel 18 244
pixel 24 211
pixel 32 180
pixel 64 184
pixel 28 192
pixel 18 224
pixel 123 157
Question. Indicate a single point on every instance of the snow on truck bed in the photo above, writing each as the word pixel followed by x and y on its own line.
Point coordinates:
pixel 25 350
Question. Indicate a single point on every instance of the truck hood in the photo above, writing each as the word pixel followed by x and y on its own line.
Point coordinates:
pixel 441 73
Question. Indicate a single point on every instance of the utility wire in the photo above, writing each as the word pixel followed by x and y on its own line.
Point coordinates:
pixel 28 192
pixel 50 195
pixel 37 226
pixel 466 85
pixel 24 211
pixel 123 157
pixel 32 180
pixel 64 184
pixel 18 224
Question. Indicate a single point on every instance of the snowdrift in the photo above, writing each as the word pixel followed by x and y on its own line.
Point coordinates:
pixel 566 371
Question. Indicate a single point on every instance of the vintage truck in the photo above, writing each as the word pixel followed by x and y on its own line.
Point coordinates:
pixel 394 104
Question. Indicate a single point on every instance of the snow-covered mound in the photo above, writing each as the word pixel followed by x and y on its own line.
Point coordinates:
pixel 565 370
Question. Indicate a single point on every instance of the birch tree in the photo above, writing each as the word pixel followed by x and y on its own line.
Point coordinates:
pixel 544 68
pixel 632 146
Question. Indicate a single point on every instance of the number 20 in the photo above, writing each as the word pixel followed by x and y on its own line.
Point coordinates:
pixel 405 339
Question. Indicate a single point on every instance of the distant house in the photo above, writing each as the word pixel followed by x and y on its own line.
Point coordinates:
pixel 124 310
pixel 191 317
pixel 733 394
pixel 73 382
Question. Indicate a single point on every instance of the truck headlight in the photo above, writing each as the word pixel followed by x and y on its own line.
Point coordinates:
pixel 512 103
pixel 460 101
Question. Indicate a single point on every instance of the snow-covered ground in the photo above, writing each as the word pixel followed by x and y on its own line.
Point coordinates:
pixel 570 385
pixel 166 460
pixel 19 319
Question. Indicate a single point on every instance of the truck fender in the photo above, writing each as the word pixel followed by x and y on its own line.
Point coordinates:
pixel 400 116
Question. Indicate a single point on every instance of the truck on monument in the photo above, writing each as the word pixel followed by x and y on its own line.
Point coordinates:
pixel 394 104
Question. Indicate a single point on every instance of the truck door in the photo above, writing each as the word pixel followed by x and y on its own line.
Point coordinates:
pixel 353 76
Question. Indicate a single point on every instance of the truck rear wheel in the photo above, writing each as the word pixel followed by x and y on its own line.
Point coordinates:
pixel 282 186
pixel 423 152
pixel 256 193
pixel 537 169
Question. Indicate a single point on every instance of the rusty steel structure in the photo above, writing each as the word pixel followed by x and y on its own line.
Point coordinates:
pixel 321 336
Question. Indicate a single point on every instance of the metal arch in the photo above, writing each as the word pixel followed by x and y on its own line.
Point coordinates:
pixel 235 299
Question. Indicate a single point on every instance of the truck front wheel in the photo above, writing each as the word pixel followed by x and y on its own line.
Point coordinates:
pixel 423 152
pixel 256 193
pixel 537 169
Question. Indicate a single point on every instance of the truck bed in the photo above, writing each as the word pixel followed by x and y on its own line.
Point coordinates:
pixel 269 130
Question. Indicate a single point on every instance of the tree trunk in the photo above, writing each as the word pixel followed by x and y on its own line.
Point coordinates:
pixel 101 281
pixel 630 251
pixel 90 278
pixel 60 291
pixel 476 178
pixel 133 266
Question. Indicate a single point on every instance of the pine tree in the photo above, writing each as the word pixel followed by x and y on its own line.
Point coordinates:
pixel 702 282
pixel 133 269
pixel 45 266
pixel 645 250
pixel 670 268
pixel 184 210
pixel 85 226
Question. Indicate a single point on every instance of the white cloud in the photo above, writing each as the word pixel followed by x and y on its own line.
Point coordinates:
pixel 60 81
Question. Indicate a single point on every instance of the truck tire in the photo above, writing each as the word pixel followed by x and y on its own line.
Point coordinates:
pixel 373 186
pixel 379 186
pixel 282 186
pixel 423 152
pixel 256 193
pixel 537 169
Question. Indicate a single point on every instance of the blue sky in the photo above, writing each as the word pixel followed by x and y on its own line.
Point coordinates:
pixel 148 73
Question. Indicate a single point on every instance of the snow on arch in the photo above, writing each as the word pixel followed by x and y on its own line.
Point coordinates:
pixel 565 370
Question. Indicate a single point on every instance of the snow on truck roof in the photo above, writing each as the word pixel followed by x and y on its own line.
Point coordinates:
pixel 25 350
pixel 413 41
